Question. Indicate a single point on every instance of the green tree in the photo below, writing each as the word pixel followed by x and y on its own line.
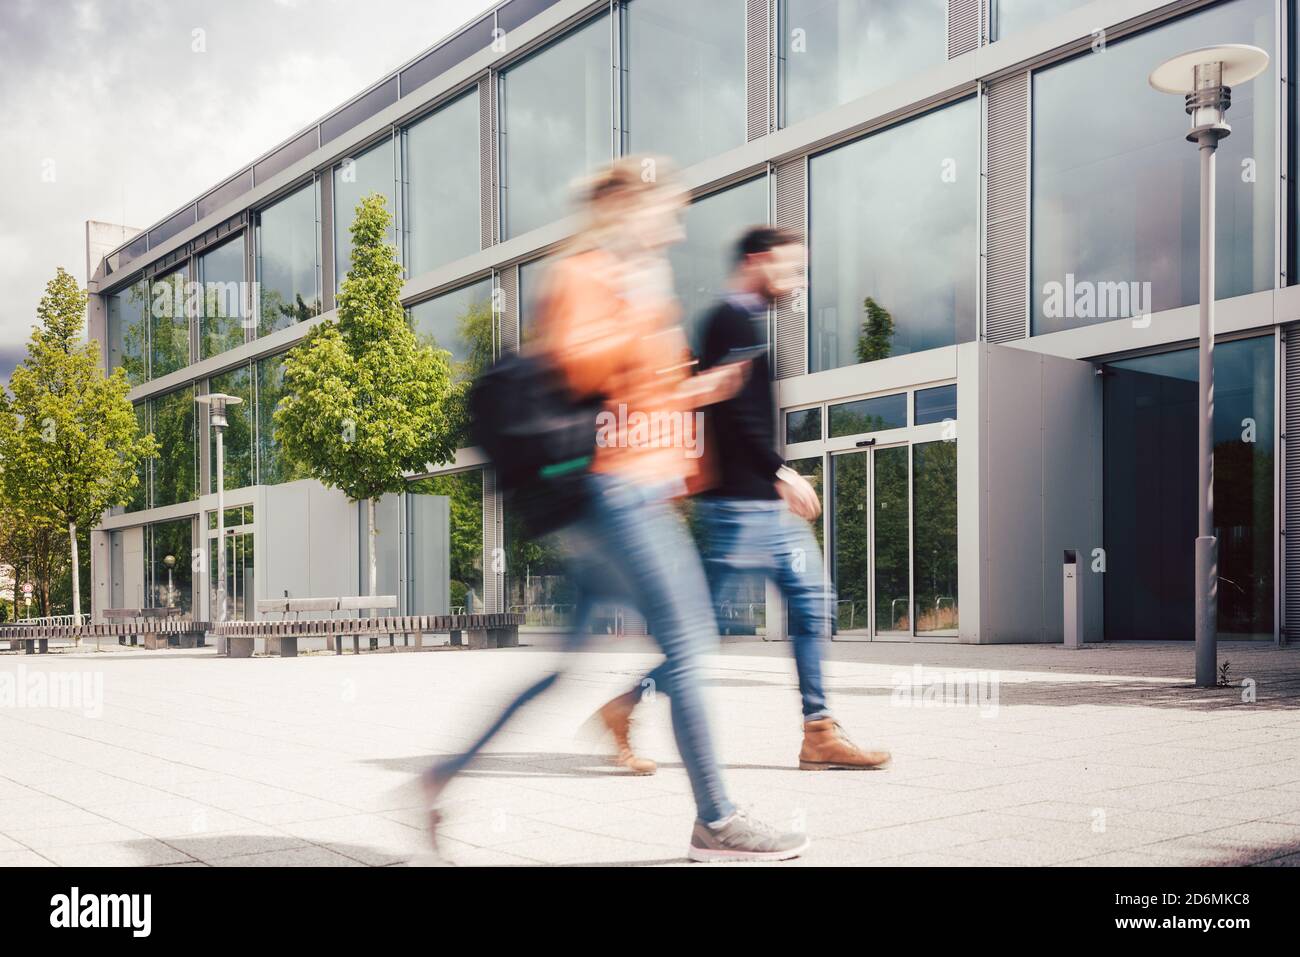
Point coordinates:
pixel 876 340
pixel 69 438
pixel 366 402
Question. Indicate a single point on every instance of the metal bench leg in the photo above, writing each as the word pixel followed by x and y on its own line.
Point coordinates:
pixel 29 646
pixel 456 639
pixel 44 645
pixel 336 641
pixel 288 646
pixel 356 644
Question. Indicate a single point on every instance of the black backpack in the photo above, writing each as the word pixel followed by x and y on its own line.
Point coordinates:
pixel 539 439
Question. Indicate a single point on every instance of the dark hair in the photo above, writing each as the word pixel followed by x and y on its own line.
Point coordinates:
pixel 763 239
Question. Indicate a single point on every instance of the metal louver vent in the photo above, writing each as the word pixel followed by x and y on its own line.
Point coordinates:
pixel 758 87
pixel 1006 198
pixel 493 546
pixel 1291 484
pixel 791 326
pixel 506 304
pixel 965 26
pixel 487 158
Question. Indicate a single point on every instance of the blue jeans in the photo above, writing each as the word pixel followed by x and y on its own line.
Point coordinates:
pixel 747 535
pixel 632 544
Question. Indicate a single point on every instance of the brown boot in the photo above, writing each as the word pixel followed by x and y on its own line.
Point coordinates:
pixel 616 716
pixel 826 746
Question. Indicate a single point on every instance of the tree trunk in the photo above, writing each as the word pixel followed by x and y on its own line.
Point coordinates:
pixel 374 563
pixel 76 574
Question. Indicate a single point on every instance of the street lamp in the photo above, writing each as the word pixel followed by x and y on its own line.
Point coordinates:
pixel 170 562
pixel 217 403
pixel 1205 79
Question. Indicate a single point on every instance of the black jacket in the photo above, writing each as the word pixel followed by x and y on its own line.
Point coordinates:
pixel 742 429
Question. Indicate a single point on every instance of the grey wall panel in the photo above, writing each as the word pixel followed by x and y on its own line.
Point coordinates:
pixel 758 66
pixel 133 567
pixel 965 26
pixel 1291 484
pixel 1006 198
pixel 790 187
pixel 506 302
pixel 306 542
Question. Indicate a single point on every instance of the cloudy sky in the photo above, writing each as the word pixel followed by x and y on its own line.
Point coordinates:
pixel 109 112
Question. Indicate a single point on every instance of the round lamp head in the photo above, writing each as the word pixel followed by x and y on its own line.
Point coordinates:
pixel 169 561
pixel 217 402
pixel 1205 78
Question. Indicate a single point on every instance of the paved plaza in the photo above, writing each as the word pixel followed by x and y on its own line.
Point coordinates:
pixel 1002 755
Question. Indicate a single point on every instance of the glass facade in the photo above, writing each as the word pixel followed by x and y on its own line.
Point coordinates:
pixel 175 470
pixel 934 520
pixel 537 585
pixel 221 318
pixel 684 78
pixel 935 405
pixel 373 171
pixel 272 467
pixel 445 538
pixel 442 193
pixel 169 324
pixel 238 440
pixel 1151 499
pixel 1116 199
pixel 703 261
pixel 868 415
pixel 288 260
pixel 1011 16
pixel 532 276
pixel 805 425
pixel 169 571
pixel 556 125
pixel 893 251
pixel 459 321
pixel 832 52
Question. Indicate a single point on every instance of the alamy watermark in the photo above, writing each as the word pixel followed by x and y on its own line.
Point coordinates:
pixel 1090 301
pixel 622 428
pixel 927 688
pixel 64 690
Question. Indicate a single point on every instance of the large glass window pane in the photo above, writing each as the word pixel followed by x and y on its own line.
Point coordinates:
pixel 170 565
pixel 272 466
pixel 934 477
pixel 892 552
pixel 703 261
pixel 684 92
pixel 556 122
pixel 936 405
pixel 169 325
pixel 537 585
pixel 894 240
pixel 1011 16
pixel 804 425
pixel 811 469
pixel 442 186
pixel 868 415
pixel 288 256
pixel 532 277
pixel 238 440
pixel 140 495
pixel 221 319
pixel 850 541
pixel 354 179
pixel 1150 461
pixel 445 513
pixel 128 331
pixel 1116 205
pixel 175 469
pixel 459 321
pixel 833 52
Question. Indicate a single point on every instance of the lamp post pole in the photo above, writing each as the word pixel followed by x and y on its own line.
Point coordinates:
pixel 217 404
pixel 1205 79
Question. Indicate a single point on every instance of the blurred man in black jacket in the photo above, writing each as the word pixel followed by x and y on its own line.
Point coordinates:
pixel 756 516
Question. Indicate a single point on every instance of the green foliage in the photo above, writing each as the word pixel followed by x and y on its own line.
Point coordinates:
pixel 877 336
pixel 69 439
pixel 365 401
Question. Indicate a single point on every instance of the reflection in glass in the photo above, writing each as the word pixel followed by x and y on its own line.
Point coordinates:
pixel 704 260
pixel 221 272
pixel 128 331
pixel 893 250
pixel 287 261
pixel 445 513
pixel 850 544
pixel 684 86
pixel 354 179
pixel 537 585
pixel 1011 16
pixel 272 466
pixel 936 405
pixel 140 495
pixel 532 277
pixel 934 475
pixel 1116 198
pixel 868 415
pixel 169 325
pixel 168 553
pixel 459 321
pixel 811 469
pixel 804 425
pixel 892 552
pixel 239 567
pixel 1150 505
pixel 556 122
pixel 175 470
pixel 442 186
pixel 238 440
pixel 833 52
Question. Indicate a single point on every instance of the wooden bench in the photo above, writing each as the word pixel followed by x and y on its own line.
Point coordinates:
pixel 465 631
pixel 153 631
pixel 147 632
